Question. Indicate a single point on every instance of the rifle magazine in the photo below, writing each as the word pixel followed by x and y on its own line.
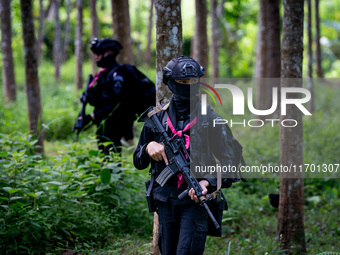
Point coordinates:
pixel 164 176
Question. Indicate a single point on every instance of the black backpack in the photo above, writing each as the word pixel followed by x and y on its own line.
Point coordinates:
pixel 143 91
pixel 234 147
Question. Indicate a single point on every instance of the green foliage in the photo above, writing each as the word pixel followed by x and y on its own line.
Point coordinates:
pixel 72 199
pixel 60 103
pixel 250 224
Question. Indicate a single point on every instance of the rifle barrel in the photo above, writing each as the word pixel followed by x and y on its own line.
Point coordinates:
pixel 217 226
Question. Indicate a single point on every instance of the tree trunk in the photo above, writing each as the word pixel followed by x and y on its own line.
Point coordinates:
pixel 31 71
pixel 200 47
pixel 168 46
pixel 79 46
pixel 263 92
pixel 169 40
pixel 290 218
pixel 122 30
pixel 214 39
pixel 262 40
pixel 257 66
pixel 57 42
pixel 220 10
pixel 40 30
pixel 148 55
pixel 9 85
pixel 49 14
pixel 67 31
pixel 311 105
pixel 273 40
pixel 319 71
pixel 94 31
pixel 268 57
pixel 155 250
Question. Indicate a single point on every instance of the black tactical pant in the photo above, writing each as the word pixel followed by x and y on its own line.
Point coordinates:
pixel 183 227
pixel 110 133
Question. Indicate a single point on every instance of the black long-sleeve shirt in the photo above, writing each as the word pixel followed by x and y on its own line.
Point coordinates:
pixel 142 160
pixel 110 94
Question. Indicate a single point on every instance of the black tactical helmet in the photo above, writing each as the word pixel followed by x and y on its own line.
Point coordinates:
pixel 181 68
pixel 99 47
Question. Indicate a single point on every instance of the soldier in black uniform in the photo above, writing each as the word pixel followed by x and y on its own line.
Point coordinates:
pixel 109 94
pixel 183 224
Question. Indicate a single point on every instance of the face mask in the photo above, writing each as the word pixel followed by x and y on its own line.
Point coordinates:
pixel 107 60
pixel 183 90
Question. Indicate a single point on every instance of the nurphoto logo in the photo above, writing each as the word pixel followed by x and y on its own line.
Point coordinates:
pixel 238 106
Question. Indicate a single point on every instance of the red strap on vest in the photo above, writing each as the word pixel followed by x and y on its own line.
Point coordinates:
pixel 96 77
pixel 187 140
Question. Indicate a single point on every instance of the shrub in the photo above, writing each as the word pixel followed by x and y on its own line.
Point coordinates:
pixel 75 199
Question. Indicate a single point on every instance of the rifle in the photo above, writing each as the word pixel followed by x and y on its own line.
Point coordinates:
pixel 79 124
pixel 179 162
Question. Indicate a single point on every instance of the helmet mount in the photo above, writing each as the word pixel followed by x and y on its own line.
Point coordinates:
pixel 181 68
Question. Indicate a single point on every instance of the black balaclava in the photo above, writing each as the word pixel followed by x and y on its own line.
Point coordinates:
pixel 182 97
pixel 183 90
pixel 108 60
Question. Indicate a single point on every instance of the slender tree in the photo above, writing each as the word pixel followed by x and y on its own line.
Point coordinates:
pixel 57 53
pixel 273 64
pixel 262 40
pixel 31 72
pixel 49 14
pixel 67 30
pixel 269 54
pixel 148 55
pixel 168 46
pixel 40 30
pixel 214 38
pixel 122 29
pixel 290 218
pixel 273 60
pixel 263 93
pixel 319 71
pixel 310 85
pixel 257 66
pixel 94 31
pixel 200 47
pixel 79 45
pixel 9 85
pixel 220 10
pixel 169 39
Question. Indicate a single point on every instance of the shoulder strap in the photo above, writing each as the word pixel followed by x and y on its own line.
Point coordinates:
pixel 157 109
pixel 112 71
pixel 205 124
